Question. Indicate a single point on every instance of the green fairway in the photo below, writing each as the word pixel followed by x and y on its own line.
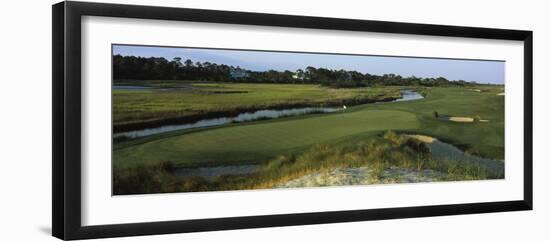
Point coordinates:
pixel 254 143
pixel 485 139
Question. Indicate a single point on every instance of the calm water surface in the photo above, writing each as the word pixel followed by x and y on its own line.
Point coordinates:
pixel 243 117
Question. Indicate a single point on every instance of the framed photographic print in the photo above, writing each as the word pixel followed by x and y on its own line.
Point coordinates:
pixel 170 120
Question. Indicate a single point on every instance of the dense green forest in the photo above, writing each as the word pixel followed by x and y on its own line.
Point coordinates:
pixel 157 68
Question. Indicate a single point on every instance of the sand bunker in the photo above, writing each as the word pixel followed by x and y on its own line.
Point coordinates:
pixel 501 93
pixel 422 138
pixel 462 119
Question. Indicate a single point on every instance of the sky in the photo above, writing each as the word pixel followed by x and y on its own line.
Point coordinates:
pixel 481 71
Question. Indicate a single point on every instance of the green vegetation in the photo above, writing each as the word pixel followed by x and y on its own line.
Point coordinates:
pixel 377 153
pixel 477 118
pixel 246 142
pixel 485 139
pixel 136 109
pixel 139 68
pixel 257 142
pixel 291 147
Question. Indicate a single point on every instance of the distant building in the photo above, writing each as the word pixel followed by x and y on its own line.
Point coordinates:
pixel 299 74
pixel 238 73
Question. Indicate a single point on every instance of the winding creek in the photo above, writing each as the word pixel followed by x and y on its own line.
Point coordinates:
pixel 243 117
pixel 342 175
pixel 406 95
pixel 215 171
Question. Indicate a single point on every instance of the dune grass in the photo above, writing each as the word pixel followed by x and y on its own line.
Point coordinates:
pixel 378 153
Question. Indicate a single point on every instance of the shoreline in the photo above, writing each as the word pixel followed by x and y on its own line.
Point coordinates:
pixel 189 119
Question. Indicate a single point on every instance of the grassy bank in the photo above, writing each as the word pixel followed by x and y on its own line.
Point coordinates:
pixel 258 142
pixel 377 153
pixel 135 109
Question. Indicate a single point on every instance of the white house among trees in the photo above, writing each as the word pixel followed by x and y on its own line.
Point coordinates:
pixel 238 73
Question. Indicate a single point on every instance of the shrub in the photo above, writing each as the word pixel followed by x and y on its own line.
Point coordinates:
pixel 281 161
pixel 192 184
pixel 436 114
pixel 393 137
pixel 418 146
pixel 142 179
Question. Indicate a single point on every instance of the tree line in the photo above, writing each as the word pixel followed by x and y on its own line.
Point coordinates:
pixel 127 68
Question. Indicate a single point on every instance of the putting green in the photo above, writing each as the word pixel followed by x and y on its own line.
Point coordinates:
pixel 252 143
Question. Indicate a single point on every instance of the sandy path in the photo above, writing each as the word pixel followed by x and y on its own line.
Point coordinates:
pixel 362 176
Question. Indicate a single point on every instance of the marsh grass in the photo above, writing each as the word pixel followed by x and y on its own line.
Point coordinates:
pixel 378 154
pixel 138 109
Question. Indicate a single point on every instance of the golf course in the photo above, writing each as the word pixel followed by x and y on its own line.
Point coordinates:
pixel 451 133
pixel 191 119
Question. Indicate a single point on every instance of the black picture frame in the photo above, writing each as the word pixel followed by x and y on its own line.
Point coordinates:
pixel 66 47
